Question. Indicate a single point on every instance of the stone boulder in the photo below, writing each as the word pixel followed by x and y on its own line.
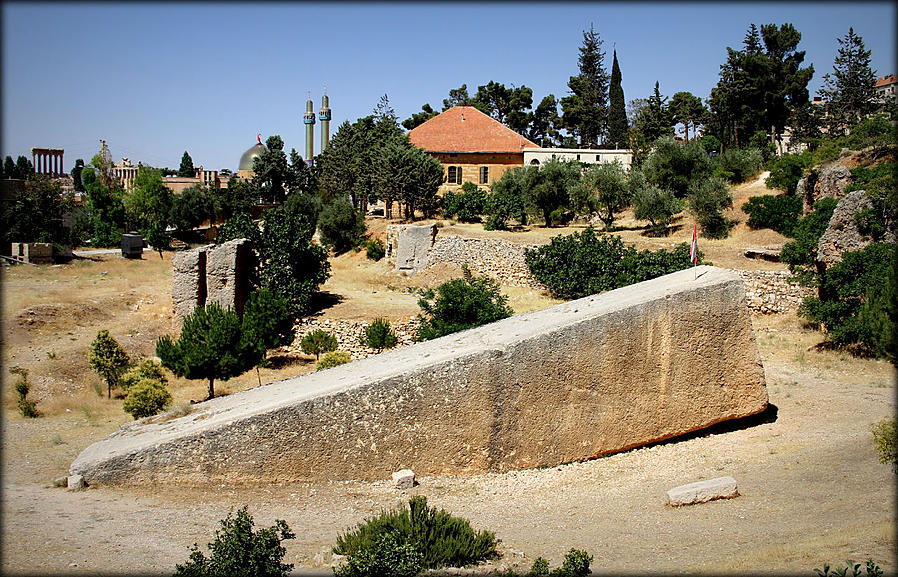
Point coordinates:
pixel 831 183
pixel 843 232
pixel 409 246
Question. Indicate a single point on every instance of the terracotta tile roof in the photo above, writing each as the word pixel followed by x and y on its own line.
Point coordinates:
pixel 466 129
pixel 891 79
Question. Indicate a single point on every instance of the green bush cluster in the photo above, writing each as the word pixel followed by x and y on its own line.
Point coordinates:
pixel 442 539
pixel 656 206
pixel 584 263
pixel 146 397
pixel 787 170
pixel 779 213
pixel 461 304
pixel 27 407
pixel 374 249
pixel 340 226
pixel 239 550
pixel 870 568
pixel 885 438
pixel 332 359
pixel 856 301
pixel 801 253
pixel 708 199
pixel 379 335
pixel 317 342
pixel 148 369
pixel 576 564
pixel 738 164
pixel 387 556
pixel 467 205
pixel 881 185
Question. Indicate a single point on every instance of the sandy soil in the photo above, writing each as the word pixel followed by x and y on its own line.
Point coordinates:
pixel 812 489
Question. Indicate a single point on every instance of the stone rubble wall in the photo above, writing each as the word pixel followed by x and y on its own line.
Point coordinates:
pixel 571 382
pixel 498 259
pixel 349 334
pixel 772 292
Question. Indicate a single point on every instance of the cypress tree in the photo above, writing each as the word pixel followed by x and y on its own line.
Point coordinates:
pixel 186 169
pixel 617 111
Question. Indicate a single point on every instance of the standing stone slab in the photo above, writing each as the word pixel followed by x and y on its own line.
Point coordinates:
pixel 571 382
pixel 413 247
pixel 188 289
pixel 703 491
pixel 226 274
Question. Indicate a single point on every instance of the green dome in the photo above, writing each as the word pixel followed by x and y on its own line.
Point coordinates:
pixel 246 161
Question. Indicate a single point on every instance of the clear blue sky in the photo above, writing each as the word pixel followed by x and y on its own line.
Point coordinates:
pixel 154 80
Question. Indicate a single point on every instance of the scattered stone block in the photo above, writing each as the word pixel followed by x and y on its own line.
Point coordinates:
pixel 188 289
pixel 404 479
pixel 76 482
pixel 703 491
pixel 412 246
pixel 763 253
pixel 132 245
pixel 227 275
pixel 61 482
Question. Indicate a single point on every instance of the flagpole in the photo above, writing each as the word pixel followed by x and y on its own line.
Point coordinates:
pixel 693 251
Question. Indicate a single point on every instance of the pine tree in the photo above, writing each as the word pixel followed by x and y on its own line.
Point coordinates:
pixel 850 90
pixel 186 169
pixel 617 109
pixel 586 109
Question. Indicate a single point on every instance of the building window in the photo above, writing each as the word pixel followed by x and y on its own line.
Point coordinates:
pixel 534 162
pixel 484 174
pixel 578 157
pixel 454 176
pixel 598 157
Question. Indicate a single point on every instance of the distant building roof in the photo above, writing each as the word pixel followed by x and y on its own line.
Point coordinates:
pixel 466 129
pixel 890 79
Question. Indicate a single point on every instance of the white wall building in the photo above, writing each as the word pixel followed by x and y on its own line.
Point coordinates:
pixel 539 156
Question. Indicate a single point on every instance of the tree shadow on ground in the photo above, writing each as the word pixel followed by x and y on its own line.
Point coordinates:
pixel 276 362
pixel 323 300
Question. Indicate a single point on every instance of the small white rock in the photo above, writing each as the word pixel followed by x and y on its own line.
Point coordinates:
pixel 404 479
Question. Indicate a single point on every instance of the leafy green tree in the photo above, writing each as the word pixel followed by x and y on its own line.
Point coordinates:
pixel 849 91
pixel 186 169
pixel 148 369
pixel 108 358
pixel 424 183
pixel 617 111
pixel 37 214
pixel 192 208
pixel 9 168
pixel 656 206
pixel 545 123
pixel 317 342
pixel 107 211
pixel 467 204
pixel 586 109
pixel 340 225
pixel 687 109
pixel 674 166
pixel 149 206
pixel 460 304
pixel 654 120
pixel 779 213
pixel 147 397
pixel 708 199
pixel 506 200
pixel 786 171
pixel 405 173
pixel 270 171
pixel 507 105
pixel 856 301
pixel 801 254
pixel 266 324
pixel 76 175
pixel 604 190
pixel 238 198
pixel 208 347
pixel 24 168
pixel 419 118
pixel 458 97
pixel 241 551
pixel 550 186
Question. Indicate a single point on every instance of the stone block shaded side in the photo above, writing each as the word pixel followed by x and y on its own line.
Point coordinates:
pixel 413 247
pixel 189 280
pixel 226 274
pixel 571 382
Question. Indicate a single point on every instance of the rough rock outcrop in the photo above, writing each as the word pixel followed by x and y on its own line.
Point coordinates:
pixel 843 233
pixel 581 379
pixel 829 183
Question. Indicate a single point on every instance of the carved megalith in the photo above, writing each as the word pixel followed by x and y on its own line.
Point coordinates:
pixel 211 274
pixel 581 379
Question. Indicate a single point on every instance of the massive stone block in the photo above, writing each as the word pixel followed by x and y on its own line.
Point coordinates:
pixel 188 289
pixel 571 382
pixel 409 246
pixel 226 274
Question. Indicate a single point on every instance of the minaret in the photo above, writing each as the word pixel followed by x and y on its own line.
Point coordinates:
pixel 309 120
pixel 324 115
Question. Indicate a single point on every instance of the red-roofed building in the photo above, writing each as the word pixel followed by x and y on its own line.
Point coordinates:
pixel 887 88
pixel 471 146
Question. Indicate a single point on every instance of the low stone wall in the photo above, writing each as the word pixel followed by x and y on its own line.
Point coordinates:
pixel 349 334
pixel 495 258
pixel 773 292
pixel 571 382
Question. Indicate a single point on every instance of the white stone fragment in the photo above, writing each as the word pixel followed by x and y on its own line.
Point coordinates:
pixel 703 491
pixel 75 482
pixel 404 479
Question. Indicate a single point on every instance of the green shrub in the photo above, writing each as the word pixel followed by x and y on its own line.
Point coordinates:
pixel 856 303
pixel 881 186
pixel 506 200
pixel 385 556
pixel 707 201
pixel 740 164
pixel 779 213
pixel 656 206
pixel 26 407
pixel 886 441
pixel 239 550
pixel 851 569
pixel 441 539
pixel 317 342
pixel 576 564
pixel 673 166
pixel 374 249
pixel 148 369
pixel 109 359
pixel 332 359
pixel 786 171
pixel 540 567
pixel 461 304
pixel 466 205
pixel 340 225
pixel 146 397
pixel 581 264
pixel 802 252
pixel 379 335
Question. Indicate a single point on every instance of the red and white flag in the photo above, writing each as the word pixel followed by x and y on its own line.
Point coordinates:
pixel 693 250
